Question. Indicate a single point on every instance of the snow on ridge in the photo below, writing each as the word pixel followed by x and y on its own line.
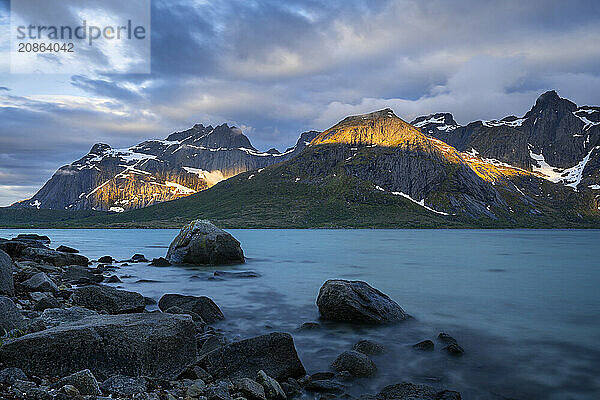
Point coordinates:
pixel 420 202
pixel 567 176
pixel 439 121
pixel 587 123
pixel 494 123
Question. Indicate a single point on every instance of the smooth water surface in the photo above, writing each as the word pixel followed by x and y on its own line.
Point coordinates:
pixel 524 304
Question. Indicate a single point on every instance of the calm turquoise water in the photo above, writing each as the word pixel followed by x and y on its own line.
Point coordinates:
pixel 524 304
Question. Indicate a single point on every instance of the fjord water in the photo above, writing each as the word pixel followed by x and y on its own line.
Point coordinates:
pixel 524 304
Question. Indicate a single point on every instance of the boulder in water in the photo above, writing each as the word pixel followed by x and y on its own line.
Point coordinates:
pixel 273 353
pixel 357 301
pixel 200 242
pixel 202 306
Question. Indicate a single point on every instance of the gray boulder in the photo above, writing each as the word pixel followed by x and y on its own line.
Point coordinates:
pixel 357 364
pixel 202 306
pixel 56 316
pixel 357 301
pixel 273 390
pixel 40 283
pixel 409 391
pixel 10 316
pixel 109 299
pixel 84 381
pixel 56 258
pixel 7 267
pixel 155 345
pixel 274 353
pixel 124 386
pixel 250 389
pixel 79 273
pixel 200 242
pixel 46 303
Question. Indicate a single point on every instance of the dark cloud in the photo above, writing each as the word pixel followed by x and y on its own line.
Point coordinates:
pixel 276 68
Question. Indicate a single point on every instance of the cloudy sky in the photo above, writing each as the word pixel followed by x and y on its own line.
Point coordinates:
pixel 276 68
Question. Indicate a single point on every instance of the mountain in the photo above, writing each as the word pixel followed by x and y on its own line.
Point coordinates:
pixel 371 170
pixel 156 170
pixel 375 170
pixel 556 138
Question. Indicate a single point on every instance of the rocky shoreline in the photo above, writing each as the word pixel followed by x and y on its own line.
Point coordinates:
pixel 69 335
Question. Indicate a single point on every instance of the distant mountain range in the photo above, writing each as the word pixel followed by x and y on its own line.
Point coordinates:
pixel 372 170
pixel 155 170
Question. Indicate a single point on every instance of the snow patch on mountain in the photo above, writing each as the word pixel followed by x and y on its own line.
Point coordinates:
pixel 419 202
pixel 567 176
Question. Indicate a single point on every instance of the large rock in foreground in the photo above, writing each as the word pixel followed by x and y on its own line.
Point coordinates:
pixel 274 353
pixel 202 306
pixel 409 391
pixel 200 242
pixel 7 267
pixel 357 301
pixel 109 299
pixel 156 345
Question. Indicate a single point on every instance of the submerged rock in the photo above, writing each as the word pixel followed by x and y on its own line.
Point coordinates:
pixel 425 345
pixel 200 242
pixel 7 267
pixel 105 260
pixel 358 364
pixel 409 391
pixel 202 306
pixel 369 347
pixel 274 353
pixel 109 299
pixel 67 249
pixel 155 345
pixel 357 301
pixel 454 349
pixel 160 262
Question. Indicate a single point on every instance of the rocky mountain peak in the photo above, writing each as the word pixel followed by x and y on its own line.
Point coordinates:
pixel 379 128
pixel 551 101
pixel 435 122
pixel 100 148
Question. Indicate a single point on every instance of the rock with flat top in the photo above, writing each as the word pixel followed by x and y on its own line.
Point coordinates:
pixel 201 242
pixel 109 299
pixel 155 345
